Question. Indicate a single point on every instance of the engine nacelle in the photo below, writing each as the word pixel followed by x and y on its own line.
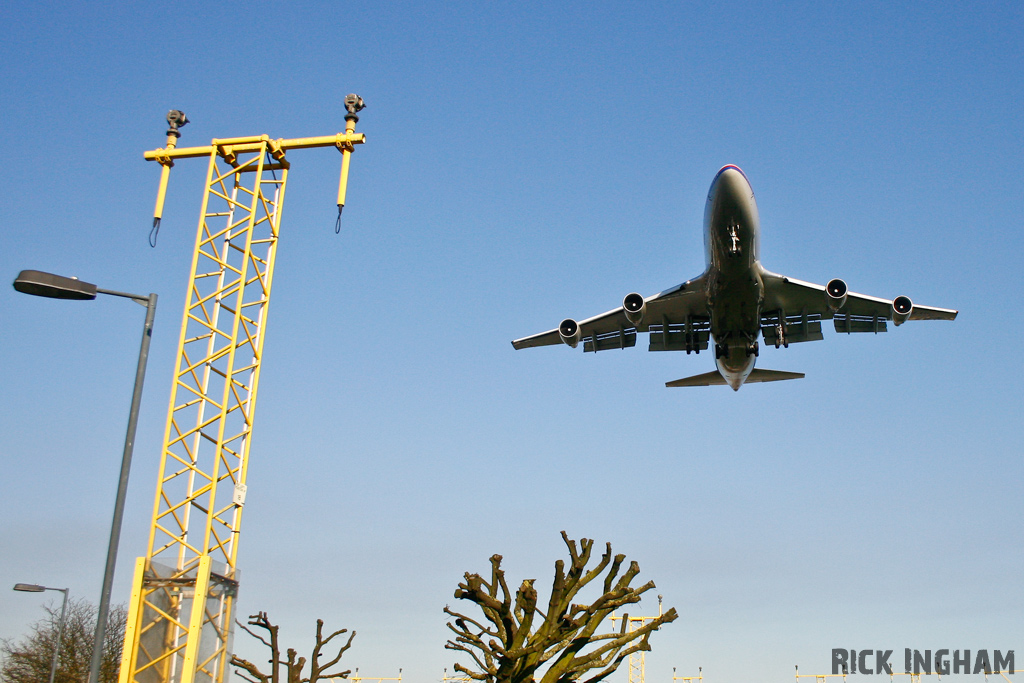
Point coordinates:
pixel 635 307
pixel 569 331
pixel 835 293
pixel 902 307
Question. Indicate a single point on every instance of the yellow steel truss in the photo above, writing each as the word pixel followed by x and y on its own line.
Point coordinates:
pixel 181 610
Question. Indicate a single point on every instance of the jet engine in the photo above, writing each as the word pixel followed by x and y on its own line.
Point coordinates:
pixel 835 293
pixel 569 331
pixel 635 307
pixel 901 309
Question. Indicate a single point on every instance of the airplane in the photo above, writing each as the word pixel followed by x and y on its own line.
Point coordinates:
pixel 734 302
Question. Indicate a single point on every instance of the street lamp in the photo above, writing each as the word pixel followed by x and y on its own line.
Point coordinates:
pixel 35 588
pixel 52 286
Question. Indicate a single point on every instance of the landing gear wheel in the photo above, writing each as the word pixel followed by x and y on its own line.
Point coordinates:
pixel 721 350
pixel 752 349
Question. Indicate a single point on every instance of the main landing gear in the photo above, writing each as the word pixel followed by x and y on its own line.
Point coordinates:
pixel 780 336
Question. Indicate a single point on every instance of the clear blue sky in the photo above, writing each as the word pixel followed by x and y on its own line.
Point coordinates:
pixel 527 162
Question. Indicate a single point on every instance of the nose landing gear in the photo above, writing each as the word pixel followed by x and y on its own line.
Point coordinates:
pixel 734 240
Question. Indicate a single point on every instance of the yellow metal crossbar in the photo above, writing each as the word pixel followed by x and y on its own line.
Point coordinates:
pixel 369 679
pixel 181 611
pixel 255 143
pixel 699 678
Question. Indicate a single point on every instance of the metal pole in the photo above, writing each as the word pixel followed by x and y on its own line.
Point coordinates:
pixel 122 485
pixel 60 633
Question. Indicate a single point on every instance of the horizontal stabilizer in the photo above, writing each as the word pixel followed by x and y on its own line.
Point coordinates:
pixel 759 375
pixel 715 378
pixel 706 380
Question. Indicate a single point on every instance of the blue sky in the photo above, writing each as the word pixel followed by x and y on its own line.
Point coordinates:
pixel 526 162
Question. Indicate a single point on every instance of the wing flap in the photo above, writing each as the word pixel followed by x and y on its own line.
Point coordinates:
pixel 623 339
pixel 790 329
pixel 693 334
pixel 849 324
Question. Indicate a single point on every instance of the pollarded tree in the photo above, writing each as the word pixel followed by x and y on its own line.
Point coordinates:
pixel 293 665
pixel 515 642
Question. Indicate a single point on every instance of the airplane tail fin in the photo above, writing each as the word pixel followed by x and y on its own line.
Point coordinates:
pixel 715 378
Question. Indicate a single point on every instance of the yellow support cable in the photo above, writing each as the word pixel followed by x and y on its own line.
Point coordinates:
pixel 180 616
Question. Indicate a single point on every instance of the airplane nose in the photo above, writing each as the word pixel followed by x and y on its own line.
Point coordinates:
pixel 731 181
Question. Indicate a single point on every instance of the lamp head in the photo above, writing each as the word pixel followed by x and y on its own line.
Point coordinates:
pixel 38 283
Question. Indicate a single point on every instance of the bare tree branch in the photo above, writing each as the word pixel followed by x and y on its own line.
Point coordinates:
pixel 249 667
pixel 293 663
pixel 316 669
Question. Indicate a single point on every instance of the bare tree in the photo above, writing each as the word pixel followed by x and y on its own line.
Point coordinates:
pixel 293 664
pixel 29 660
pixel 514 640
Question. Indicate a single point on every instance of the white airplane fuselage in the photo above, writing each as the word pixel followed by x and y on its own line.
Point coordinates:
pixel 733 281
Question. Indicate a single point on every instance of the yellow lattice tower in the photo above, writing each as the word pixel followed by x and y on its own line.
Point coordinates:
pixel 181 610
pixel 636 659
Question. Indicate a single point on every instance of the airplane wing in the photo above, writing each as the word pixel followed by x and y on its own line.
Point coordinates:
pixel 803 303
pixel 682 310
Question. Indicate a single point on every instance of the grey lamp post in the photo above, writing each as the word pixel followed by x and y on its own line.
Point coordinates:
pixel 34 588
pixel 58 287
